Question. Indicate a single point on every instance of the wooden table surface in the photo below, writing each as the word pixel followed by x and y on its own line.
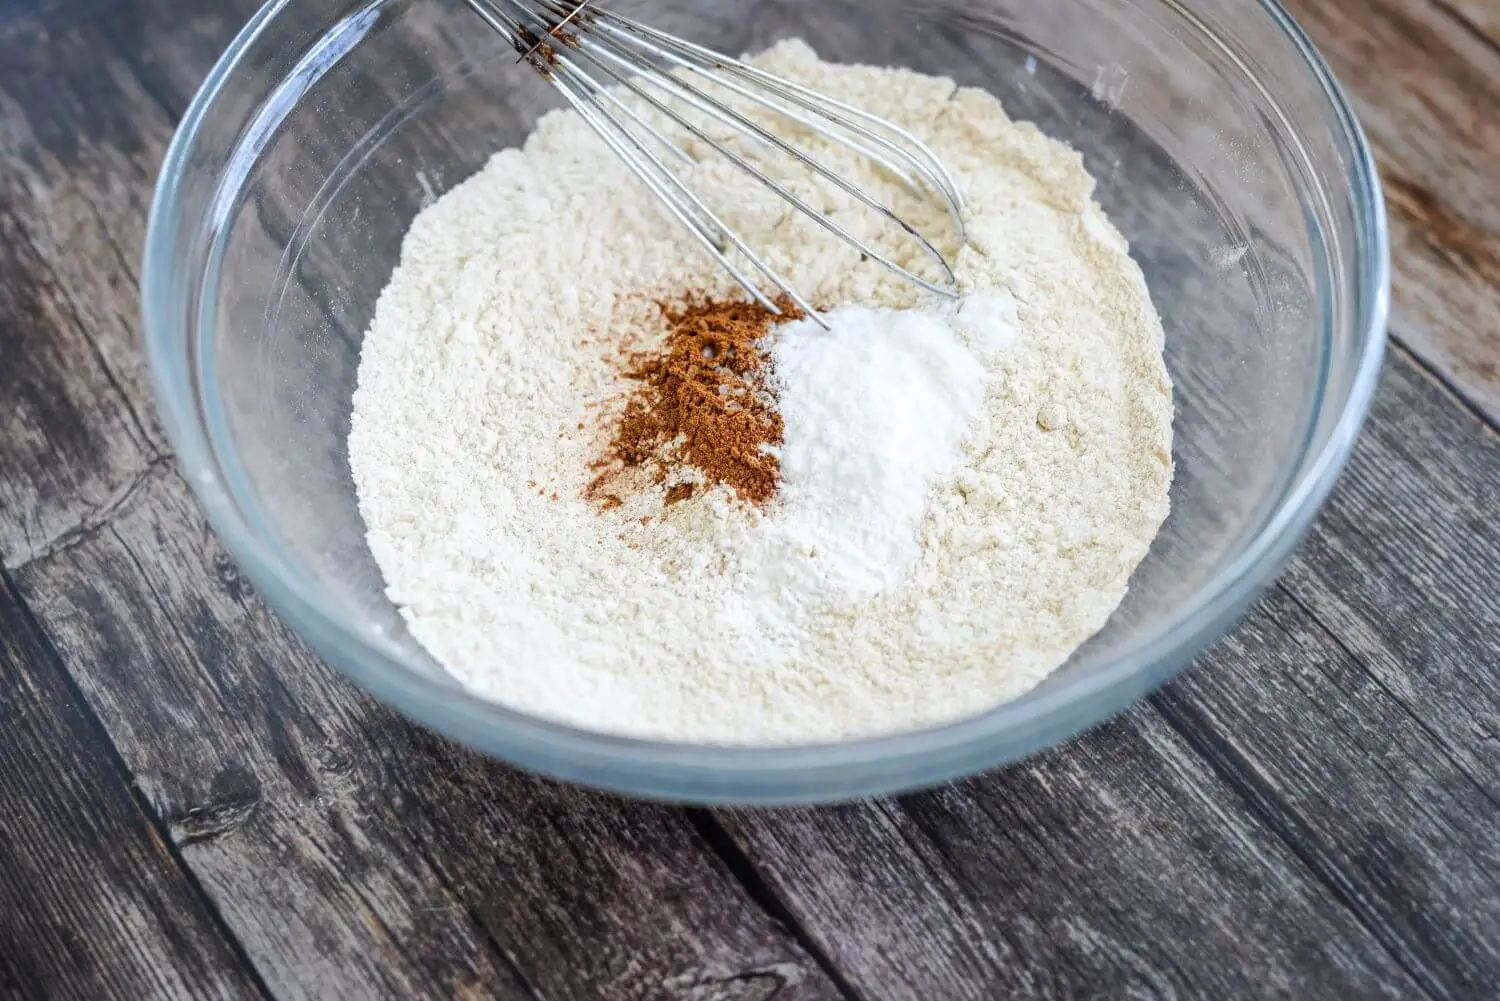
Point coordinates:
pixel 192 806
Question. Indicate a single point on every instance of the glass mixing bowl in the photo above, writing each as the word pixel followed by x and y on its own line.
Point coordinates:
pixel 1224 152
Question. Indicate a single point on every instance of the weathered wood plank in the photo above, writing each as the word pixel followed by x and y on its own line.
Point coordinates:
pixel 170 45
pixel 77 152
pixel 1404 566
pixel 1482 17
pixel 1357 709
pixel 1361 788
pixel 1425 81
pixel 92 903
pixel 84 143
pixel 351 853
pixel 70 448
pixel 1354 712
pixel 281 786
pixel 1113 866
pixel 321 900
pixel 558 873
pixel 29 17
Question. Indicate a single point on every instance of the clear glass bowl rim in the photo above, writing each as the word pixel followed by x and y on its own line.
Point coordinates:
pixel 706 774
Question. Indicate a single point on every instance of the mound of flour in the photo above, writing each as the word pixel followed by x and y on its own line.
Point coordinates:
pixel 490 371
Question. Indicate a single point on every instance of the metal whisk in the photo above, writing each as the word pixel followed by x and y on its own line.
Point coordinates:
pixel 594 56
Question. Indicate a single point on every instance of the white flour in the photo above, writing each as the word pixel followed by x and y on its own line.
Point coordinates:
pixel 859 602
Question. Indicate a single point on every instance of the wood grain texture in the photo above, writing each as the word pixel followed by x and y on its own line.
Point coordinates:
pixel 1112 866
pixel 1351 716
pixel 1424 77
pixel 31 17
pixel 1404 566
pixel 1357 709
pixel 285 791
pixel 352 854
pixel 1482 17
pixel 79 146
pixel 1308 814
pixel 252 787
pixel 92 904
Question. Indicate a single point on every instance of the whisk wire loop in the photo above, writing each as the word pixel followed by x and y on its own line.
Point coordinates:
pixel 695 97
pixel 652 169
pixel 564 42
pixel 829 108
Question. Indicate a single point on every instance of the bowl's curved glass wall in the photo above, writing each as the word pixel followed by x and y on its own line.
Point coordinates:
pixel 339 121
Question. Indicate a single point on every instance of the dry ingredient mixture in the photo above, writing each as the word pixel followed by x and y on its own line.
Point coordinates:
pixel 604 489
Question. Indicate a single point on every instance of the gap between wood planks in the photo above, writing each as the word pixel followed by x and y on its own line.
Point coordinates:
pixel 1468 13
pixel 1488 423
pixel 172 935
pixel 743 869
pixel 1262 798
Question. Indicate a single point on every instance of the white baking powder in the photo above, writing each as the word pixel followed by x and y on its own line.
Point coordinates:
pixel 876 408
pixel 965 490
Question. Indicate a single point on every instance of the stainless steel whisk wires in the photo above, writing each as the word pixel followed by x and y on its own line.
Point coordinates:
pixel 593 56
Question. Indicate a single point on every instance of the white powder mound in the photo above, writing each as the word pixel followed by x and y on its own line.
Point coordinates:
pixel 875 408
pixel 860 601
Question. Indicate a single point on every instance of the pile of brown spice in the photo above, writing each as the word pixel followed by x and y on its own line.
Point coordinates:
pixel 703 400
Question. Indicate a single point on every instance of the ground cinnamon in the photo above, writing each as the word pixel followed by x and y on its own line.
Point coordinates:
pixel 704 400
